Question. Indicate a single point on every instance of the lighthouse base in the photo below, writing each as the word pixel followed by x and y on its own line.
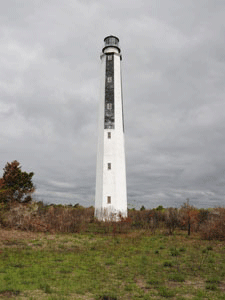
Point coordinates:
pixel 110 214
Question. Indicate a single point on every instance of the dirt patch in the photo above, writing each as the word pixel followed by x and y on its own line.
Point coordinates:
pixel 9 293
pixel 173 284
pixel 222 286
pixel 141 283
pixel 198 284
pixel 38 240
pixel 16 239
pixel 12 234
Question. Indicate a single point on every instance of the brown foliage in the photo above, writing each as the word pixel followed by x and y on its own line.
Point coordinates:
pixel 57 218
pixel 214 227
pixel 189 217
pixel 146 219
pixel 43 218
pixel 171 219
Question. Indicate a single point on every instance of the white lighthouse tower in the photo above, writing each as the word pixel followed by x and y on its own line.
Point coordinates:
pixel 111 189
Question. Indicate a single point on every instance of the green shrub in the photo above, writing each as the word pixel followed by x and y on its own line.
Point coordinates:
pixel 167 264
pixel 182 249
pixel 213 280
pixel 166 293
pixel 174 252
pixel 107 297
pixel 211 286
pixel 177 277
pixel 46 288
pixel 154 282
pixel 209 248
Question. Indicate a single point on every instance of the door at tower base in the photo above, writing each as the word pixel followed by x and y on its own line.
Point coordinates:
pixel 111 189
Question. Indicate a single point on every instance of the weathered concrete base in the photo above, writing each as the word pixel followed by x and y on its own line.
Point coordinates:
pixel 110 214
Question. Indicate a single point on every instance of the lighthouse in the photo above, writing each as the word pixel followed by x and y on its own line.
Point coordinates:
pixel 111 188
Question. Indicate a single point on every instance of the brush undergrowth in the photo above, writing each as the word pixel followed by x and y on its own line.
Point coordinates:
pixel 37 217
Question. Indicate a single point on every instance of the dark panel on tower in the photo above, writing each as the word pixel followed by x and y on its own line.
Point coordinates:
pixel 109 91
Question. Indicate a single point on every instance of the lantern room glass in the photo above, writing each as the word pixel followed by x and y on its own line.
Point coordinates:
pixel 111 41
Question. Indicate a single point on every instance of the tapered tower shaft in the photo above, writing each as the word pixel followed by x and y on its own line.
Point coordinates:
pixel 111 190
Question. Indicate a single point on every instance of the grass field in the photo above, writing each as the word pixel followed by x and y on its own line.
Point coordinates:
pixel 135 265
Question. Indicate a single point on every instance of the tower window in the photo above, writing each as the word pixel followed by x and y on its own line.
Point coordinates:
pixel 109 135
pixel 109 79
pixel 109 106
pixel 109 166
pixel 109 199
pixel 109 57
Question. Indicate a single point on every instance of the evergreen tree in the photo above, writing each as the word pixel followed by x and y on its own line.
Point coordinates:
pixel 15 184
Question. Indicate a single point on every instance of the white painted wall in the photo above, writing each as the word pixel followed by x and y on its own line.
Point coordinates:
pixel 111 182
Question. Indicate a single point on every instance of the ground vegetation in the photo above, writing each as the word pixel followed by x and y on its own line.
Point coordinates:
pixel 59 252
pixel 135 265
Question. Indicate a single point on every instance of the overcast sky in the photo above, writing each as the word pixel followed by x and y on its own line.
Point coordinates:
pixel 173 88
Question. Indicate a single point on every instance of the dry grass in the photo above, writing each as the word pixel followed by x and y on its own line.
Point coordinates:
pixel 11 234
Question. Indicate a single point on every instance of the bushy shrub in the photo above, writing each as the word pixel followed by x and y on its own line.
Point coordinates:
pixel 68 218
pixel 146 219
pixel 39 217
pixel 214 227
pixel 171 219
